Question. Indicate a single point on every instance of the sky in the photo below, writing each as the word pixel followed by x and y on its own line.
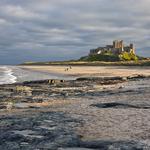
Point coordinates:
pixel 48 30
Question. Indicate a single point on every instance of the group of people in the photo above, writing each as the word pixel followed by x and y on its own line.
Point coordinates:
pixel 67 69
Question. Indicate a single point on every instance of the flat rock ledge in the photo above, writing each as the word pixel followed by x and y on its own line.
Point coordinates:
pixel 102 80
pixel 45 114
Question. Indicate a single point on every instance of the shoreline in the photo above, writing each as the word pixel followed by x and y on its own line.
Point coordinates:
pixel 26 73
pixel 103 79
pixel 16 74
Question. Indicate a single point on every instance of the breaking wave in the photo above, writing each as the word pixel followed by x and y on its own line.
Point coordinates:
pixel 6 75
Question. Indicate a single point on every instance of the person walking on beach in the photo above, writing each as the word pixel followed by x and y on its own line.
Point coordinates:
pixel 67 69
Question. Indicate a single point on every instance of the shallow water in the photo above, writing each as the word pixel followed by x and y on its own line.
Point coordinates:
pixel 12 74
pixel 6 75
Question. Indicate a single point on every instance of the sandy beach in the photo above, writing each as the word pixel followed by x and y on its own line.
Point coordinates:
pixel 97 71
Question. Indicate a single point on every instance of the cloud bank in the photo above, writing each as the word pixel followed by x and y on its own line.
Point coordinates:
pixel 42 30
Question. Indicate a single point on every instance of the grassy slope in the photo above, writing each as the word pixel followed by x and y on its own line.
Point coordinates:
pixel 105 59
pixel 94 63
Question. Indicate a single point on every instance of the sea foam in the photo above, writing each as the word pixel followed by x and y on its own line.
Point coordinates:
pixel 6 75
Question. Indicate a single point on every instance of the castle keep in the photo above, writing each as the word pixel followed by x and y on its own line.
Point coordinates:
pixel 116 48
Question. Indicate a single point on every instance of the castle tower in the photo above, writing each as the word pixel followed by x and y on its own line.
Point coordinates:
pixel 118 44
pixel 115 44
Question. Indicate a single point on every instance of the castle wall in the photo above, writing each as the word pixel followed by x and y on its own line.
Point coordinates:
pixel 117 48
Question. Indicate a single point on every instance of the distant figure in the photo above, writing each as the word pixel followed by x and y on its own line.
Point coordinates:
pixel 69 67
pixel 66 69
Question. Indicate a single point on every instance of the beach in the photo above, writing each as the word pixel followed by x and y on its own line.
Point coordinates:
pixel 97 71
pixel 101 108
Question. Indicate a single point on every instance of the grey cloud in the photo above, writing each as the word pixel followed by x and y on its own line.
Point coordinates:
pixel 44 30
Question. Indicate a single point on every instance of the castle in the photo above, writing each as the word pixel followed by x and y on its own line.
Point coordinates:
pixel 117 48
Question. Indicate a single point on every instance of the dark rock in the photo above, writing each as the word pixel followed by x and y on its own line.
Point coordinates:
pixel 113 145
pixel 120 105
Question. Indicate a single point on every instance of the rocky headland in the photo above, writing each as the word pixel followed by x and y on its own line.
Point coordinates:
pixel 105 113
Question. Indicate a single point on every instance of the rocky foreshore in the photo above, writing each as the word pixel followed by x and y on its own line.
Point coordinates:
pixel 105 113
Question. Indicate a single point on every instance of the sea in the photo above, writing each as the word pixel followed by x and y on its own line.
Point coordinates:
pixel 13 74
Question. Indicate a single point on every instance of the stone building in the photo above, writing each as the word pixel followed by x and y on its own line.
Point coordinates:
pixel 116 48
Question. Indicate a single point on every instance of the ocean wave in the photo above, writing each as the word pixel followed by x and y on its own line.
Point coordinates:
pixel 7 76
